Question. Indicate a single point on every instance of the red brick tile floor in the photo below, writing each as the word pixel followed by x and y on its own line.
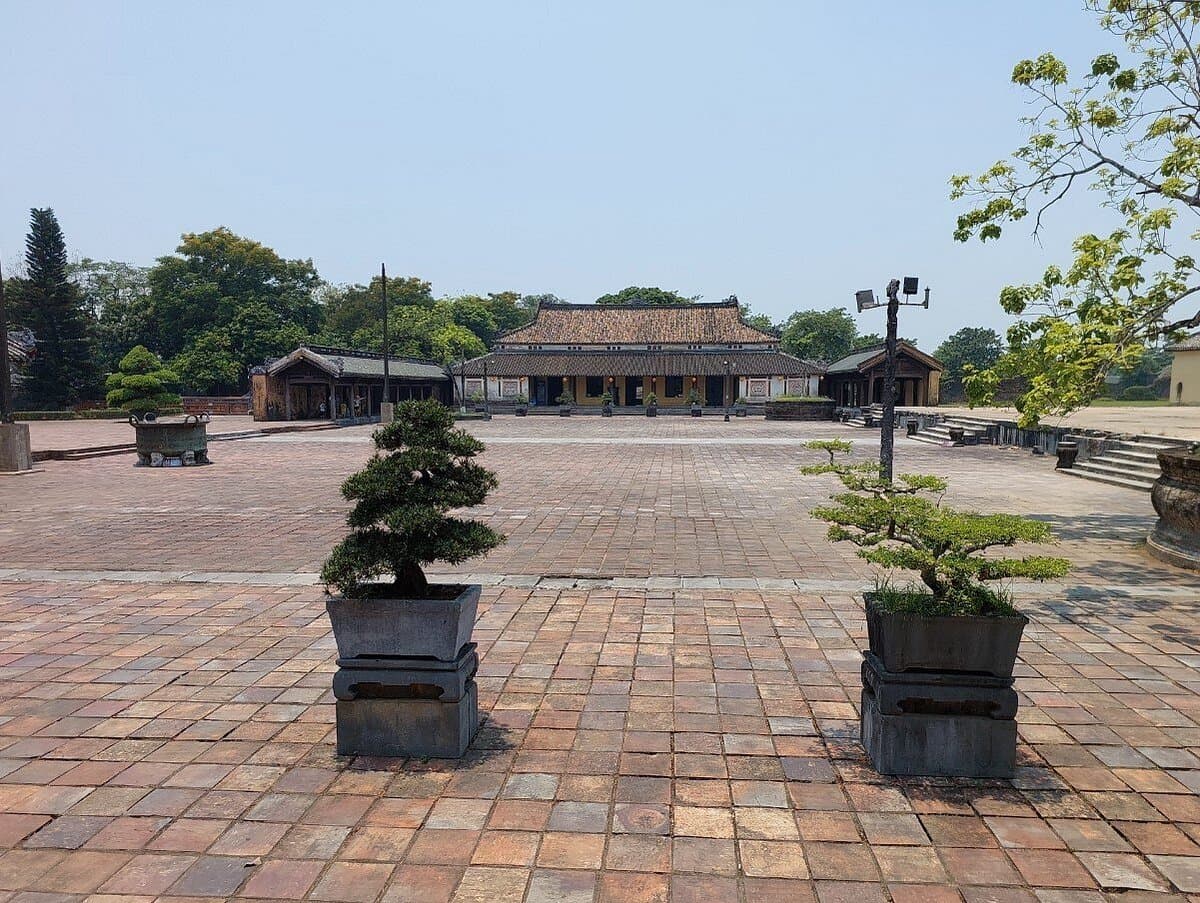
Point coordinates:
pixel 173 740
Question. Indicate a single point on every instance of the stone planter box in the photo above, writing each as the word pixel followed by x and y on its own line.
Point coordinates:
pixel 739 410
pixel 937 695
pixel 171 443
pixel 521 410
pixel 964 644
pixel 1176 499
pixel 800 410
pixel 1067 452
pixel 652 411
pixel 381 627
pixel 697 410
pixel 564 411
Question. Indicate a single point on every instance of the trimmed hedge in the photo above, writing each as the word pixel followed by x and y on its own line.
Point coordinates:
pixel 91 414
pixel 1139 393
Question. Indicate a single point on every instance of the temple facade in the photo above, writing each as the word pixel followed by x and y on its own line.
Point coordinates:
pixel 857 379
pixel 674 352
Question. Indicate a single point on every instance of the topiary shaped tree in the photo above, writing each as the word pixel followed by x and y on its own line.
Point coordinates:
pixel 894 526
pixel 421 470
pixel 141 384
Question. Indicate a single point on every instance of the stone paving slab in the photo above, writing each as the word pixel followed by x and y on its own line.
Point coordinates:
pixel 174 741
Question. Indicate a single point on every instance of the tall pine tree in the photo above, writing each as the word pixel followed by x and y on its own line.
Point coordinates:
pixel 63 372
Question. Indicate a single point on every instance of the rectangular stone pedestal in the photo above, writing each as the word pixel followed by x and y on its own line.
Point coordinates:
pixel 407 727
pixel 15 454
pixel 387 413
pixel 956 745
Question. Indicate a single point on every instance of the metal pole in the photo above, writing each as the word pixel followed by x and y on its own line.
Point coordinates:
pixel 728 369
pixel 887 439
pixel 462 386
pixel 387 351
pixel 6 406
pixel 485 391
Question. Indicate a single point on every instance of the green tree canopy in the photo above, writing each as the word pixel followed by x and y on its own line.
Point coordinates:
pixel 63 370
pixel 142 385
pixel 208 366
pixel 216 276
pixel 349 308
pixel 974 345
pixel 819 335
pixel 648 295
pixel 117 295
pixel 1130 127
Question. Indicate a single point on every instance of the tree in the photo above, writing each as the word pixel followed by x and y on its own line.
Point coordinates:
pixel 422 470
pixel 48 303
pixel 208 366
pixel 758 321
pixel 349 308
pixel 894 526
pixel 216 275
pixel 1131 128
pixel 975 346
pixel 819 335
pixel 117 295
pixel 649 296
pixel 141 385
pixel 475 315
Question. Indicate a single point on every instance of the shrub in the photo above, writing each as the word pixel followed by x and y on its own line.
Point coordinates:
pixel 141 384
pixel 693 397
pixel 896 527
pixel 651 399
pixel 567 398
pixel 421 469
pixel 521 399
pixel 1139 393
pixel 606 398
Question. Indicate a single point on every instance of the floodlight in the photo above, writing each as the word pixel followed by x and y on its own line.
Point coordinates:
pixel 910 285
pixel 865 300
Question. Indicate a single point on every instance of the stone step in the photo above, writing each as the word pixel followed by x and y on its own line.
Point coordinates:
pixel 1096 469
pixel 1133 455
pixel 930 440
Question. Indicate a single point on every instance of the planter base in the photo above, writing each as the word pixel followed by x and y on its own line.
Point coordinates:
pixel 1166 548
pixel 955 745
pixel 408 727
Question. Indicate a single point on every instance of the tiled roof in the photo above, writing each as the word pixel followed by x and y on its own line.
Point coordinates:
pixel 344 362
pixel 865 358
pixel 1191 343
pixel 678 324
pixel 638 363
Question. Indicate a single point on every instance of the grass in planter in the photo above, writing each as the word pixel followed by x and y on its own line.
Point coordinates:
pixel 421 470
pixel 914 599
pixel 896 526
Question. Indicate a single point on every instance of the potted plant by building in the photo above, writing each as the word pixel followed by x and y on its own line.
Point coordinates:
pixel 739 406
pixel 1176 499
pixel 477 402
pixel 142 387
pixel 651 405
pixel 521 405
pixel 693 399
pixel 404 634
pixel 937 677
pixel 565 403
pixel 606 404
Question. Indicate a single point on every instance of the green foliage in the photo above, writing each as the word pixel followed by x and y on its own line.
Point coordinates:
pixel 141 385
pixel 424 332
pixel 606 398
pixel 651 399
pixel 650 296
pixel 894 525
pixel 1139 393
pixel 63 371
pixel 207 366
pixel 567 398
pixel 758 321
pixel 117 295
pixel 693 397
pixel 973 345
pixel 1131 127
pixel 819 335
pixel 421 470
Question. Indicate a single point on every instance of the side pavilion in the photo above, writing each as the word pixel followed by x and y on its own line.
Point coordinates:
pixel 857 379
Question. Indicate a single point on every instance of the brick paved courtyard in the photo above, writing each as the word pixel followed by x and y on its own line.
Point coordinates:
pixel 669 678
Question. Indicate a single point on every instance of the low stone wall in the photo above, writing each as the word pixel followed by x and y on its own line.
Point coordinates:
pixel 799 410
pixel 216 404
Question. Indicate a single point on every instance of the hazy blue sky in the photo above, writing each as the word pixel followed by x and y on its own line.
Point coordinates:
pixel 790 152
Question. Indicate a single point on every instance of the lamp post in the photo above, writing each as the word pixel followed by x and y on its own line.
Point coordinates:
pixel 387 381
pixel 486 414
pixel 462 385
pixel 728 372
pixel 866 301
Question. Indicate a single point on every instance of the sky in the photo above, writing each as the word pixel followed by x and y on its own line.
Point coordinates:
pixel 788 152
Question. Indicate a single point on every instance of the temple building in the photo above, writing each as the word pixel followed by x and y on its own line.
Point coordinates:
pixel 1185 370
pixel 315 382
pixel 857 379
pixel 632 351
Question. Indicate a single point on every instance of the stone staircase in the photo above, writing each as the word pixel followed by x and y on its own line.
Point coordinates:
pixel 1130 462
pixel 939 433
pixel 874 411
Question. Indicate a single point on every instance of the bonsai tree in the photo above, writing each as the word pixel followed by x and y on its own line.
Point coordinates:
pixel 421 469
pixel 895 525
pixel 651 399
pixel 566 399
pixel 521 398
pixel 606 398
pixel 693 397
pixel 141 384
